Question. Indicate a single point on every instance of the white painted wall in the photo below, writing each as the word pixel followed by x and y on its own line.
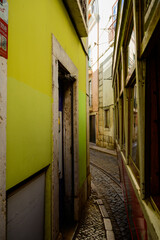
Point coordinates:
pixel 107 81
pixel 105 11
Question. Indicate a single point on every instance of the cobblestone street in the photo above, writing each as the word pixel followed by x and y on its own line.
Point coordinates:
pixel 105 187
pixel 91 225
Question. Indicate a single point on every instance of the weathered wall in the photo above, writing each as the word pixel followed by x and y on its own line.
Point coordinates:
pixel 93 41
pixel 105 135
pixel 95 91
pixel 29 86
pixel 107 82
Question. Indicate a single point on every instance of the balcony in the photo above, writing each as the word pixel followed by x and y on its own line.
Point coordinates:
pixel 77 10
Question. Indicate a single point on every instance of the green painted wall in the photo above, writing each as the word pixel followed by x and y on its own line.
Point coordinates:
pixel 28 131
pixel 82 136
pixel 29 96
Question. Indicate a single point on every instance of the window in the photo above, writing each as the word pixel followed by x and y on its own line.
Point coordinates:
pixel 117 89
pixel 118 122
pixel 133 125
pixel 152 124
pixel 114 10
pixel 135 129
pixel 132 110
pixel 123 127
pixel 131 54
pixel 120 77
pixel 106 112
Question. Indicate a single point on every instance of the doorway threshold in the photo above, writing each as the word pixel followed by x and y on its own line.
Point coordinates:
pixel 68 231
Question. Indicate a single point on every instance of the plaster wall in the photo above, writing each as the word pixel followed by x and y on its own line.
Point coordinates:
pixel 29 98
pixel 105 135
pixel 95 91
pixel 29 107
pixel 107 82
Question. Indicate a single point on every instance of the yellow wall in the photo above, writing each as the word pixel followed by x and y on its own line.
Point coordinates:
pixel 29 100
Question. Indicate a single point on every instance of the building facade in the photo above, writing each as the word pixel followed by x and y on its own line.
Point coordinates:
pixel 44 164
pixel 106 106
pixel 136 83
pixel 93 28
pixel 101 41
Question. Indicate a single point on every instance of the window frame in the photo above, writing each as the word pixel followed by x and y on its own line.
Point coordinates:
pixel 135 169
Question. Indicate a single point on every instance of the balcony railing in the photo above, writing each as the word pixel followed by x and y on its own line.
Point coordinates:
pixel 111 31
pixel 77 9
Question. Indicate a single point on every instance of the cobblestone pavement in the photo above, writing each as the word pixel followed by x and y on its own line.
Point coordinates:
pixel 91 225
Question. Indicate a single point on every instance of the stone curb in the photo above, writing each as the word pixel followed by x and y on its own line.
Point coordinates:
pixel 106 220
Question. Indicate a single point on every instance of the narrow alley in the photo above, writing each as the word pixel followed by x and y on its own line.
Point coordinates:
pixel 80 120
pixel 104 216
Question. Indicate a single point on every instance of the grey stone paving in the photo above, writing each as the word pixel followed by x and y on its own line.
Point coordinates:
pixel 110 193
pixel 92 225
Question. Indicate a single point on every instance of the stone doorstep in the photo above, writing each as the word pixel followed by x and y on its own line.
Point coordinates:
pixel 68 232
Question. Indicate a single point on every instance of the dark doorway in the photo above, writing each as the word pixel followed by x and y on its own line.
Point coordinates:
pixel 92 120
pixel 66 160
